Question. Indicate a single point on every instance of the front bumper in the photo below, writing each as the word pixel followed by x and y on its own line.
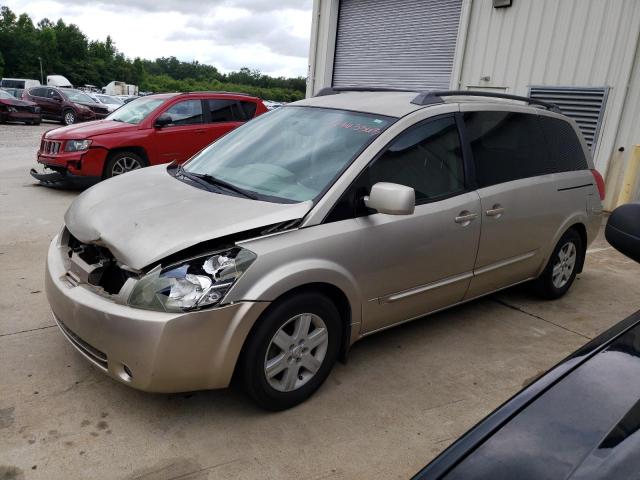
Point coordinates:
pixel 63 179
pixel 162 352
pixel 29 117
pixel 71 169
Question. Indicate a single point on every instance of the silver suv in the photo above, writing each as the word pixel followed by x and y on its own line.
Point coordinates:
pixel 277 247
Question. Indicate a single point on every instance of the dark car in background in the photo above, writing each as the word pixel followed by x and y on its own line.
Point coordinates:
pixel 65 105
pixel 147 131
pixel 579 421
pixel 15 110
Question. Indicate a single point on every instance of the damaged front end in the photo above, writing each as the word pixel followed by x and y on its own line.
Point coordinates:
pixel 196 278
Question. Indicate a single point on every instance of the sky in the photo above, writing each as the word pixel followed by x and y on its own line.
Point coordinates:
pixel 269 35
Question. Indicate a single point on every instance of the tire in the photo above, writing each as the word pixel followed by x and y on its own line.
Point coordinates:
pixel 69 117
pixel 562 268
pixel 123 162
pixel 293 380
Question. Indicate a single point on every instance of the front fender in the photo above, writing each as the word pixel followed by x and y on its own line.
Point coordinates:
pixel 261 283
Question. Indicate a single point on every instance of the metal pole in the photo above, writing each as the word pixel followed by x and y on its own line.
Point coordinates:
pixel 630 177
pixel 41 76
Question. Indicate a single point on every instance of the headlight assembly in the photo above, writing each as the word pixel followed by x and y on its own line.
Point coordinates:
pixel 77 145
pixel 198 283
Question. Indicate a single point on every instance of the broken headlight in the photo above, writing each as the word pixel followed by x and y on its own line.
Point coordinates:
pixel 198 283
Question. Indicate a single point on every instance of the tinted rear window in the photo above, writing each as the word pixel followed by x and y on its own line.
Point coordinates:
pixel 248 109
pixel 38 92
pixel 221 110
pixel 507 146
pixel 564 144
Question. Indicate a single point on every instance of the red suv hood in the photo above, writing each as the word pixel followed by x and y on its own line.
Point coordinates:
pixel 88 130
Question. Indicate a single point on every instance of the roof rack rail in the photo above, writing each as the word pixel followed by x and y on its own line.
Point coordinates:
pixel 199 92
pixel 435 97
pixel 335 90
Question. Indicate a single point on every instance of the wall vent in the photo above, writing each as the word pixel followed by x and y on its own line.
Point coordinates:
pixel 583 104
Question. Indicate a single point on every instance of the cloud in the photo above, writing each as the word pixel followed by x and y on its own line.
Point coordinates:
pixel 270 35
pixel 194 6
pixel 257 29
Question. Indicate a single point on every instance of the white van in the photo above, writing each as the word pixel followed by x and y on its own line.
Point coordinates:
pixel 58 81
pixel 22 83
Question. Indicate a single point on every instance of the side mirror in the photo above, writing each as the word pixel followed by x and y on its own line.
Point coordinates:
pixel 623 230
pixel 391 198
pixel 57 98
pixel 163 120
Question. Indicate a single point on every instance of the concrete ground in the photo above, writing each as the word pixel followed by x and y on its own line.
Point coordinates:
pixel 403 396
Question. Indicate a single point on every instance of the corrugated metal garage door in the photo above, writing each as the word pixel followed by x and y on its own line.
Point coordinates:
pixel 584 104
pixel 396 43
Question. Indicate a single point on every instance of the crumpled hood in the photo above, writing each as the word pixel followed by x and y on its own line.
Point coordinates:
pixel 146 215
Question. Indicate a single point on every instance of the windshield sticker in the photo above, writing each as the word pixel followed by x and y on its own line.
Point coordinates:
pixel 358 127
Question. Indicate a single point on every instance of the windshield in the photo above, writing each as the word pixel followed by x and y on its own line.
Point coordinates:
pixel 291 154
pixel 76 96
pixel 137 110
pixel 6 95
pixel 106 99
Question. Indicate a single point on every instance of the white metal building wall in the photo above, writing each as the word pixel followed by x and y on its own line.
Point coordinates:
pixel 396 43
pixel 555 43
pixel 628 135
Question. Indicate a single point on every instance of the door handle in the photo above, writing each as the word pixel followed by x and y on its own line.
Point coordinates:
pixel 465 218
pixel 495 211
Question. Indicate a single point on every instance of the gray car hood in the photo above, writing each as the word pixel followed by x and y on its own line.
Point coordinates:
pixel 146 215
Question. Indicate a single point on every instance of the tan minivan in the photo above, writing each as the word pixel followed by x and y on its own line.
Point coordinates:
pixel 277 247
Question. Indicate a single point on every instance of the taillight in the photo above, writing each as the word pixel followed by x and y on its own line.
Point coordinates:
pixel 599 182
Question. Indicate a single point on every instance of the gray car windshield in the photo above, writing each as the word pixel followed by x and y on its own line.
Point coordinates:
pixel 291 154
pixel 137 110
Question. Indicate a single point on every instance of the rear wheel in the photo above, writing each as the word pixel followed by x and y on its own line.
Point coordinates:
pixel 292 351
pixel 562 268
pixel 69 117
pixel 123 162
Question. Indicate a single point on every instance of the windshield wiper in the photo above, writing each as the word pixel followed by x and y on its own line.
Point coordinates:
pixel 221 183
pixel 208 181
pixel 181 172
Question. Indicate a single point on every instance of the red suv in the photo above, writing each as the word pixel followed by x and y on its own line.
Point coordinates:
pixel 66 105
pixel 147 131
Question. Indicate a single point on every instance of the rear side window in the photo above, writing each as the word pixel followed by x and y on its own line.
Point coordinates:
pixel 426 157
pixel 248 110
pixel 507 146
pixel 38 92
pixel 564 145
pixel 222 111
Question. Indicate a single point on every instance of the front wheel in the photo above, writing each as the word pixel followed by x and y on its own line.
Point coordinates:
pixel 292 351
pixel 69 117
pixel 123 162
pixel 562 268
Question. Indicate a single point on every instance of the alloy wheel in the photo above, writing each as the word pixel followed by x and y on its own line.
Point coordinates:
pixel 564 265
pixel 124 165
pixel 69 118
pixel 296 352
